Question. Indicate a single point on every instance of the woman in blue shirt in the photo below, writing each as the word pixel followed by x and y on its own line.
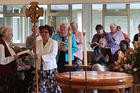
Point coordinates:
pixel 62 56
pixel 101 56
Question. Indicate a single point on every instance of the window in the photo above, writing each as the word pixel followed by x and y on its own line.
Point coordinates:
pixel 57 14
pixel 96 16
pixel 14 9
pixel 77 15
pixel 115 7
pixel 59 8
pixel 17 23
pixel 134 19
pixel 14 18
pixel 1 16
pixel 118 20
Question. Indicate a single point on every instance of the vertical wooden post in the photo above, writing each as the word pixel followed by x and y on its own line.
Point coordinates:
pixel 36 69
pixel 34 12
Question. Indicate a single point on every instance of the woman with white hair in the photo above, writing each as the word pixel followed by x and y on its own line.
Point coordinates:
pixel 114 38
pixel 101 56
pixel 8 66
pixel 78 56
pixel 63 46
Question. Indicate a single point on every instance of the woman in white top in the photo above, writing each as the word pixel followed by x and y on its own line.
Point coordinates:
pixel 47 49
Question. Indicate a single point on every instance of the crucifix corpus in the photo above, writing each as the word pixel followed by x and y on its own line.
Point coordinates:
pixel 34 12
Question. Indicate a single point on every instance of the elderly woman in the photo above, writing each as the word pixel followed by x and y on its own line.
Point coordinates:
pixel 114 38
pixel 9 82
pixel 101 56
pixel 78 56
pixel 47 49
pixel 62 56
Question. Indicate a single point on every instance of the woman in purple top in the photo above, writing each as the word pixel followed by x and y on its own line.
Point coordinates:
pixel 114 38
pixel 100 34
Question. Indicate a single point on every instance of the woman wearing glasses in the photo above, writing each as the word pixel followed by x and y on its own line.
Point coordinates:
pixel 46 49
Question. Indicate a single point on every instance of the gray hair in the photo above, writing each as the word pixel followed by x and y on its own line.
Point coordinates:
pixel 73 24
pixel 64 23
pixel 103 40
pixel 5 31
pixel 113 24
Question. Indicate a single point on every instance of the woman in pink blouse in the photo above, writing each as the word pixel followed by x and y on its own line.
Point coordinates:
pixel 79 40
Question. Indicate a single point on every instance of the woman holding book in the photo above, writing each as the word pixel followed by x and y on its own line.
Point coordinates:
pixel 101 57
pixel 62 56
pixel 9 82
pixel 46 49
pixel 100 34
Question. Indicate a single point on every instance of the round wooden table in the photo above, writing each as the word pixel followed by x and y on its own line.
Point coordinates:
pixel 95 80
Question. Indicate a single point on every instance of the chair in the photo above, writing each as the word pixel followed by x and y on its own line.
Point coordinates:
pixel 89 57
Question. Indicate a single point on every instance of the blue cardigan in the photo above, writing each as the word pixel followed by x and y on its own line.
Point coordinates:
pixel 74 46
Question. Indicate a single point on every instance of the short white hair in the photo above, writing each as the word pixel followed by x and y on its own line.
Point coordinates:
pixel 103 40
pixel 5 31
pixel 98 67
pixel 64 23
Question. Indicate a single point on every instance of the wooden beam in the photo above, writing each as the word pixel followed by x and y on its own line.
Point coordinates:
pixel 44 2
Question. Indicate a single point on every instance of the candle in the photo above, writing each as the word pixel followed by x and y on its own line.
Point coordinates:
pixel 70 48
pixel 84 48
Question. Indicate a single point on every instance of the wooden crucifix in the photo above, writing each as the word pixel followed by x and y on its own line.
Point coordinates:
pixel 34 12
